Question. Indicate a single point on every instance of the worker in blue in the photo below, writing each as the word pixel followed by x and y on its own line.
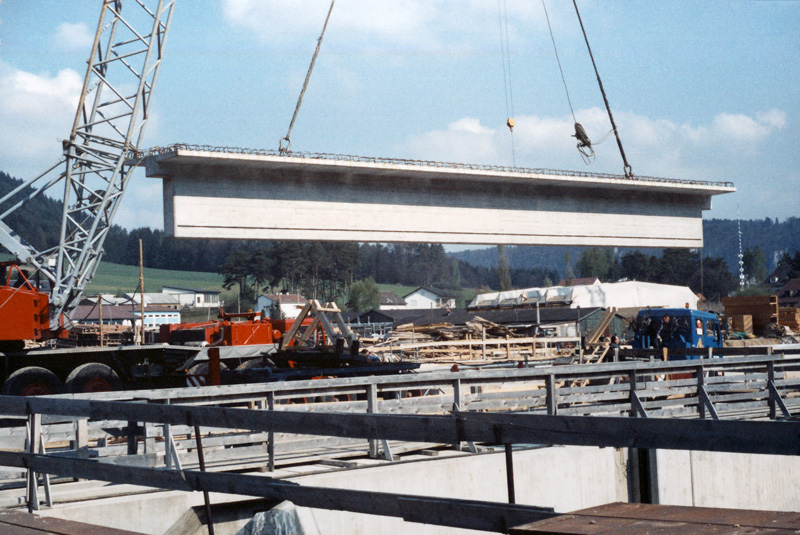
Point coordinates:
pixel 664 331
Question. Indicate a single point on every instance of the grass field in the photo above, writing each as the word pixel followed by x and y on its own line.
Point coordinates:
pixel 119 279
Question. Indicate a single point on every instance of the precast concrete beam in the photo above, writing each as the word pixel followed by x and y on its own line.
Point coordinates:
pixel 262 195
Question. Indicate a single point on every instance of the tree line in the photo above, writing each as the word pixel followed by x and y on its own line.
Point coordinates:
pixel 327 270
pixel 720 236
pixel 710 276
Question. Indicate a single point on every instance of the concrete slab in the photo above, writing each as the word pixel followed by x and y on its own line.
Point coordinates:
pixel 236 194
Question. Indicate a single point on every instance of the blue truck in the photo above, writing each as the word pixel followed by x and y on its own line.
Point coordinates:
pixel 676 328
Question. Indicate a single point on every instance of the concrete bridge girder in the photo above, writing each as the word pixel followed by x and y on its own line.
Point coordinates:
pixel 257 196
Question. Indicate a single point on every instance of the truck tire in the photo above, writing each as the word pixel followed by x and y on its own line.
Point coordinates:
pixel 201 368
pixel 261 362
pixel 93 377
pixel 32 381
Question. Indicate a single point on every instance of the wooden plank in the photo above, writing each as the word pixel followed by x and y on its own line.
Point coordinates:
pixel 480 342
pixel 624 518
pixel 8 529
pixel 708 515
pixel 38 525
pixel 571 524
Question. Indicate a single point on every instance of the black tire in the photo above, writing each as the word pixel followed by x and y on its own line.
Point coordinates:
pixel 261 362
pixel 32 381
pixel 93 377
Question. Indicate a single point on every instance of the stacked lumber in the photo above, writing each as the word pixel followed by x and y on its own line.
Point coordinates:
pixel 480 327
pixel 89 335
pixel 762 308
pixel 478 339
pixel 790 317
pixel 742 323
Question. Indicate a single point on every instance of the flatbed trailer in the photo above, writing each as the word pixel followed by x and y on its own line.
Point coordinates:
pixel 100 369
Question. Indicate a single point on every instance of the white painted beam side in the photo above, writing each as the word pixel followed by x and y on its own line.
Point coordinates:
pixel 217 217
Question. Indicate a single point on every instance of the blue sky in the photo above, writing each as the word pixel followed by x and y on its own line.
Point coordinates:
pixel 703 90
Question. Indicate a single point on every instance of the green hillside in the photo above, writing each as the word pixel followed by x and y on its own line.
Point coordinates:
pixel 121 279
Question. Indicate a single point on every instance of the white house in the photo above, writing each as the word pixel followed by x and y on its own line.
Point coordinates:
pixel 125 315
pixel 424 297
pixel 156 315
pixel 154 299
pixel 290 304
pixel 193 297
pixel 392 301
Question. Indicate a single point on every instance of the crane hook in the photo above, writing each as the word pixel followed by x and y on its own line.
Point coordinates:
pixel 584 144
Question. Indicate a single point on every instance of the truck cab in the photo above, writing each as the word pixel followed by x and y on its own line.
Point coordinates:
pixel 685 328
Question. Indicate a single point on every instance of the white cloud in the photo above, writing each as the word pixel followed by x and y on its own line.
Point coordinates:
pixel 470 125
pixel 72 37
pixel 653 146
pixel 409 23
pixel 740 128
pixel 465 140
pixel 36 110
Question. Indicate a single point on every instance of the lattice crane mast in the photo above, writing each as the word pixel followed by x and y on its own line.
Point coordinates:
pixel 110 121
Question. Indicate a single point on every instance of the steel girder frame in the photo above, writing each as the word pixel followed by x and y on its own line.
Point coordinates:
pixel 109 125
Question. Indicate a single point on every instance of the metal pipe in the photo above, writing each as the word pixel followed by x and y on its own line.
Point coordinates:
pixel 202 461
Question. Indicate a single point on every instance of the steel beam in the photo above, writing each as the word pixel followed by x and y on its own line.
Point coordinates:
pixel 765 437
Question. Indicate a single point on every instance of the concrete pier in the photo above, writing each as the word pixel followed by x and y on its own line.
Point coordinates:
pixel 259 195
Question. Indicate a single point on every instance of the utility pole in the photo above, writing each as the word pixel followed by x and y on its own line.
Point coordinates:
pixel 141 286
pixel 100 318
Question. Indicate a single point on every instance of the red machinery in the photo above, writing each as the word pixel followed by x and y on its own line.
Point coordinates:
pixel 26 310
pixel 223 332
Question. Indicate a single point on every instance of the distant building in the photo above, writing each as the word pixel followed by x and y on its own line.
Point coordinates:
pixel 193 297
pixel 154 299
pixel 780 275
pixel 392 301
pixel 789 295
pixel 125 315
pixel 428 297
pixel 290 304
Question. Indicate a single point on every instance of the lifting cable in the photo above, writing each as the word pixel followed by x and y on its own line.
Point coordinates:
pixel 584 143
pixel 505 52
pixel 628 170
pixel 284 149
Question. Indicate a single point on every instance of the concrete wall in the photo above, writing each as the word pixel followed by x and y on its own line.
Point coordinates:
pixel 706 479
pixel 566 478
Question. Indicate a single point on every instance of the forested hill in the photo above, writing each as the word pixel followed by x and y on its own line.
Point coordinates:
pixel 720 237
pixel 39 223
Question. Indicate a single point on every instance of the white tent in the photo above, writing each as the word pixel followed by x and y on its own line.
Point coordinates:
pixel 629 294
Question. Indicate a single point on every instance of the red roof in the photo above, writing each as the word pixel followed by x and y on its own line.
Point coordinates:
pixel 789 295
